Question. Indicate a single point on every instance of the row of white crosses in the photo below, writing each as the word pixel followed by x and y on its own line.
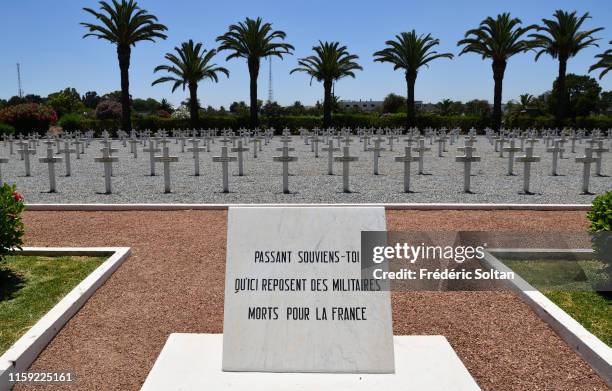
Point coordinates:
pixel 365 136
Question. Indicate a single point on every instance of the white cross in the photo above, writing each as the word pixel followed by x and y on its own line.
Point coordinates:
pixel 407 159
pixel 285 159
pixel 196 155
pixel 421 149
pixel 2 161
pixel 467 161
pixel 51 161
pixel 240 149
pixel 67 151
pixel 166 159
pixel 152 150
pixel 346 159
pixel 330 156
pixel 527 160
pixel 376 149
pixel 587 160
pixel 599 151
pixel 512 149
pixel 25 155
pixel 108 161
pixel 555 149
pixel 224 159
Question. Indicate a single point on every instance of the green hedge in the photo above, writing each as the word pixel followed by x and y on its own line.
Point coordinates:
pixel 294 123
pixel 6 129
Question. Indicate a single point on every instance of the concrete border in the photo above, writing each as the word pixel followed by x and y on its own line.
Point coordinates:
pixel 22 353
pixel 596 353
pixel 401 206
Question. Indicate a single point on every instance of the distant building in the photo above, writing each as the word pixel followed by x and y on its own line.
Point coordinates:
pixel 367 106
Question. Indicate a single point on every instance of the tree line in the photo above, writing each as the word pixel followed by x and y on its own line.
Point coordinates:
pixel 124 23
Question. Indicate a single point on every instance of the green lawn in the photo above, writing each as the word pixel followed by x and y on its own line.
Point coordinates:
pixel 571 285
pixel 30 286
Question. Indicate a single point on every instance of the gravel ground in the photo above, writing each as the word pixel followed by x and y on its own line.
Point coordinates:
pixel 310 183
pixel 174 280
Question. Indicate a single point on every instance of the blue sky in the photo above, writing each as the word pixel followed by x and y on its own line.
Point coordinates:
pixel 45 37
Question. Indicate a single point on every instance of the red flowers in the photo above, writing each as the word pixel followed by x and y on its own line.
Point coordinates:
pixel 17 197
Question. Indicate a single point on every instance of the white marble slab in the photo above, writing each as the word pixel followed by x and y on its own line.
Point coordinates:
pixel 313 344
pixel 192 362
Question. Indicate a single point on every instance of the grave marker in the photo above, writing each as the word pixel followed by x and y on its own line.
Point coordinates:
pixel 285 159
pixel 346 159
pixel 166 159
pixel 407 159
pixel 224 159
pixel 527 160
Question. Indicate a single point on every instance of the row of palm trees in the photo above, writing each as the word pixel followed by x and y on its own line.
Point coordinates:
pixel 124 23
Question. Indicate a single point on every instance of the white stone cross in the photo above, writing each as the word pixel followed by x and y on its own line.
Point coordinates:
pixel 587 160
pixel 108 161
pixel 512 149
pixel 51 161
pixel 134 146
pixel 67 151
pixel 421 149
pixel 441 140
pixel 407 159
pixel 330 156
pixel 196 149
pixel 555 149
pixel 467 161
pixel 599 151
pixel 346 159
pixel 3 160
pixel 166 159
pixel 527 160
pixel 285 159
pixel 25 153
pixel 376 149
pixel 224 159
pixel 152 150
pixel 240 149
pixel 79 146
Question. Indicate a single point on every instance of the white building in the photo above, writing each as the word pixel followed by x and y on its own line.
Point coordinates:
pixel 364 105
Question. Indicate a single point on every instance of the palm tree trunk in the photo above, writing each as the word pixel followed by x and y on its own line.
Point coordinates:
pixel 499 67
pixel 327 104
pixel 194 108
pixel 561 92
pixel 253 73
pixel 410 112
pixel 123 53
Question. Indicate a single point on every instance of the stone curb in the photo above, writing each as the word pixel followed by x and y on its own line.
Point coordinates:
pixel 20 356
pixel 596 353
pixel 407 206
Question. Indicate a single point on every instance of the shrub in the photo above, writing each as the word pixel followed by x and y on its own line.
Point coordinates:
pixel 28 117
pixel 71 122
pixel 600 217
pixel 11 227
pixel 6 129
pixel 108 109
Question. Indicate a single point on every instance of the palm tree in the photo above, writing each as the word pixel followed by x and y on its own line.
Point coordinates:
pixel 409 52
pixel 562 39
pixel 497 39
pixel 605 62
pixel 124 23
pixel 330 63
pixel 526 101
pixel 253 39
pixel 189 66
